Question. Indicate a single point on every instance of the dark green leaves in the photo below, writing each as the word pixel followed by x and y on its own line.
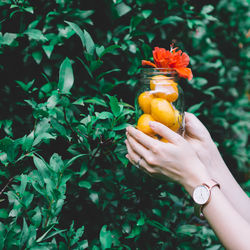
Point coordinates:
pixel 85 37
pixel 67 94
pixel 66 76
pixel 114 105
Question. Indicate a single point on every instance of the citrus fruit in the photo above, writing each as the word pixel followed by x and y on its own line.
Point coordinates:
pixel 164 140
pixel 177 122
pixel 162 111
pixel 168 91
pixel 143 124
pixel 144 101
pixel 158 79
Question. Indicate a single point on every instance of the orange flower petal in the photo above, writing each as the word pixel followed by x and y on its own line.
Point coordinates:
pixel 185 72
pixel 144 63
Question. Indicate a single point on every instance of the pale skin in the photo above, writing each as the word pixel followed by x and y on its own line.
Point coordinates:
pixel 228 209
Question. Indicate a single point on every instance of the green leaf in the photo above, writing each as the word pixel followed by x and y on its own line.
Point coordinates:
pixel 3 213
pixel 85 37
pixel 25 233
pixel 42 137
pixel 114 105
pixel 109 49
pixel 8 38
pixel 56 163
pixel 171 20
pixel 85 184
pixel 48 49
pixel 107 72
pixel 29 9
pixel 121 126
pixel 86 67
pixel 188 230
pixel 78 31
pixel 195 108
pixel 97 101
pixel 36 219
pixel 5 143
pixel 44 235
pixel 41 167
pixel 105 237
pixel 24 86
pixel 135 232
pixel 69 162
pixel 158 225
pixel 99 50
pixel 90 46
pixel 35 34
pixel 24 181
pixel 122 9
pixel 66 77
pixel 146 13
pixel 59 127
pixel 104 115
pixel 207 9
pixel 77 236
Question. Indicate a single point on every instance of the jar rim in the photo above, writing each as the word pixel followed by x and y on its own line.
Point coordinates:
pixel 158 71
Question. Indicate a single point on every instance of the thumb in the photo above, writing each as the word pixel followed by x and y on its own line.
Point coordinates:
pixel 194 127
pixel 166 132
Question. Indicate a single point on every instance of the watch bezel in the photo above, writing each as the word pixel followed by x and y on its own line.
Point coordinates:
pixel 195 193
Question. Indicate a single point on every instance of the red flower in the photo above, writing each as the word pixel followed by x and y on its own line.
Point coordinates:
pixel 171 59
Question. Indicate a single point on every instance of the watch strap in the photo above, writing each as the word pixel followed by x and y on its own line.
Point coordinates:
pixel 197 207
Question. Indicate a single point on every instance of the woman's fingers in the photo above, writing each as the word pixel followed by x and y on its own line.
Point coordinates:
pixel 142 138
pixel 166 132
pixel 137 160
pixel 137 147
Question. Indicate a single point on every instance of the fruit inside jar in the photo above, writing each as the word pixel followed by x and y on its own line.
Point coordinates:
pixel 160 98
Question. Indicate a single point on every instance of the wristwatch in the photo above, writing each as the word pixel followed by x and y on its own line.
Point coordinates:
pixel 202 195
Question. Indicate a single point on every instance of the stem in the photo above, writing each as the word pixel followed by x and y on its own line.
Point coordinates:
pixel 7 184
pixel 75 135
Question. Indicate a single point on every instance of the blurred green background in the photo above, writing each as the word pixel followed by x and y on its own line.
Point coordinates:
pixel 69 75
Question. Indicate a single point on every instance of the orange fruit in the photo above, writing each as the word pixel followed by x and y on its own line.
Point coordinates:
pixel 177 122
pixel 167 91
pixel 164 140
pixel 158 79
pixel 143 124
pixel 144 100
pixel 162 111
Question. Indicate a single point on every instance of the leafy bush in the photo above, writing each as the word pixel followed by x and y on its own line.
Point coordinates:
pixel 69 75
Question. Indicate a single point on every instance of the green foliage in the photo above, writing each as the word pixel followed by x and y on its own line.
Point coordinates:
pixel 69 74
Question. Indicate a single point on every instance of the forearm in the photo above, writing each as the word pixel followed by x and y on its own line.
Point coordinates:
pixel 230 227
pixel 229 186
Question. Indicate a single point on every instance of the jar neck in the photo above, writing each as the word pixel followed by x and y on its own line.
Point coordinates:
pixel 147 73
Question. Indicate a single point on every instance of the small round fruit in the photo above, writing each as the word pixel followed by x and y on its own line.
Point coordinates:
pixel 178 121
pixel 164 140
pixel 143 124
pixel 158 79
pixel 167 91
pixel 144 101
pixel 162 111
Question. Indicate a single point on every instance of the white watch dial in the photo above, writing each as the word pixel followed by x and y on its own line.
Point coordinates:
pixel 201 194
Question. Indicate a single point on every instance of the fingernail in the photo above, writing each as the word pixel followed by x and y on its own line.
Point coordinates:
pixel 126 155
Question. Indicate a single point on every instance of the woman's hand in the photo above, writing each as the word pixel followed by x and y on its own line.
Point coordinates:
pixel 175 160
pixel 199 138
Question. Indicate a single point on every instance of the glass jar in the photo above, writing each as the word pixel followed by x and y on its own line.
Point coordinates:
pixel 159 98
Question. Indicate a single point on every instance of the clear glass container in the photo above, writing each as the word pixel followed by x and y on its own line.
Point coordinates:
pixel 159 98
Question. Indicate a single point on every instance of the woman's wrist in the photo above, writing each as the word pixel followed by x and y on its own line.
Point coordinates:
pixel 197 177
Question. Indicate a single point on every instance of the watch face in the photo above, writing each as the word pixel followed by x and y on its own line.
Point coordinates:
pixel 201 194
